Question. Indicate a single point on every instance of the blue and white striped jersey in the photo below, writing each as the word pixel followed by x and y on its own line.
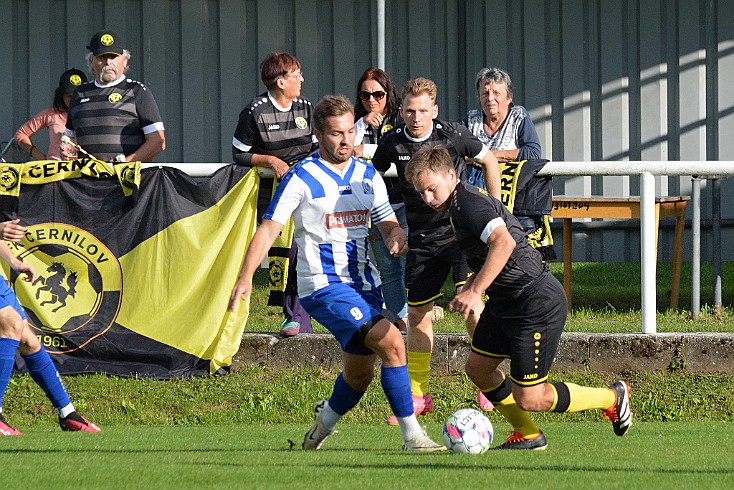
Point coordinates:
pixel 331 210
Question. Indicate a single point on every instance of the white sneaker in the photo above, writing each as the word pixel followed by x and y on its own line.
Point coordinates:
pixel 422 444
pixel 318 433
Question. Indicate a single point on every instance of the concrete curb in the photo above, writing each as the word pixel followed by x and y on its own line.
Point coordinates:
pixel 694 352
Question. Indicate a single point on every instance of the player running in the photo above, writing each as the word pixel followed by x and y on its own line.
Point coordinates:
pixel 524 315
pixel 331 196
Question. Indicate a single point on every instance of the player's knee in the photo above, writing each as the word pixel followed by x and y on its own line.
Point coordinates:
pixel 472 370
pixel 29 343
pixel 530 401
pixel 11 323
pixel 393 348
pixel 359 379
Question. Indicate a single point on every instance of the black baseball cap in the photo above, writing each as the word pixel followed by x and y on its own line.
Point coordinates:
pixel 106 42
pixel 71 79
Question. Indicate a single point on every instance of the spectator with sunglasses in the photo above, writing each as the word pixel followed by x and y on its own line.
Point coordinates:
pixel 377 111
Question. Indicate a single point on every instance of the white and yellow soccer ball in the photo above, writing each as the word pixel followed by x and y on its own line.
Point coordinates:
pixel 467 431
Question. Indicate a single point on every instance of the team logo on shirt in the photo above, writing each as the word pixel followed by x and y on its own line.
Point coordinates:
pixel 78 292
pixel 301 123
pixel 367 187
pixel 346 219
pixel 386 128
pixel 115 98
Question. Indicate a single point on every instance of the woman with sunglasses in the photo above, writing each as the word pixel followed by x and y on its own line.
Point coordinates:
pixel 377 111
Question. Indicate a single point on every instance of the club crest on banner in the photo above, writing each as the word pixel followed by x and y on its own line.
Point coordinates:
pixel 77 295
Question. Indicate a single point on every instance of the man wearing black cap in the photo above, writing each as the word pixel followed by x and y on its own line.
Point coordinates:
pixel 52 118
pixel 114 118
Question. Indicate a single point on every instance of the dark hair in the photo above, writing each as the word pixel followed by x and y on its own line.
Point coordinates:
pixel 330 106
pixel 59 104
pixel 433 158
pixel 275 66
pixel 497 75
pixel 393 98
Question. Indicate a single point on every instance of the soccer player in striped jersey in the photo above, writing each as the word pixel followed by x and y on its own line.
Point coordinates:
pixel 433 251
pixel 275 131
pixel 331 196
pixel 524 316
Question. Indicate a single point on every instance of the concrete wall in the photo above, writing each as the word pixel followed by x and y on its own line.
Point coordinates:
pixel 618 353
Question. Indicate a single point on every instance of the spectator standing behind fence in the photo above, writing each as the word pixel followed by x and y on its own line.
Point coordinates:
pixel 52 118
pixel 377 111
pixel 114 115
pixel 507 130
pixel 275 131
pixel 16 334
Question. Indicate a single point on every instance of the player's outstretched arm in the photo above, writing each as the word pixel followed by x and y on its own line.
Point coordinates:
pixel 264 237
pixel 501 244
pixel 394 237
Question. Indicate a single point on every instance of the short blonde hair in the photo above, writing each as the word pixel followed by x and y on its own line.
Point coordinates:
pixel 433 158
pixel 420 86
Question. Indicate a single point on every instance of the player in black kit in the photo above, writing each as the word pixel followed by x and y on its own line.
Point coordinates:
pixel 433 252
pixel 524 316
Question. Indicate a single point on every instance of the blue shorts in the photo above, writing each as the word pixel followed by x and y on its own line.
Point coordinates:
pixel 8 298
pixel 344 310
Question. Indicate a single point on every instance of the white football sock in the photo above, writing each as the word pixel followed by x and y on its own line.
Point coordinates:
pixel 410 427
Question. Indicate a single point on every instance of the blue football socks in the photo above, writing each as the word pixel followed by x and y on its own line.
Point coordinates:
pixel 344 397
pixel 44 372
pixel 7 361
pixel 396 385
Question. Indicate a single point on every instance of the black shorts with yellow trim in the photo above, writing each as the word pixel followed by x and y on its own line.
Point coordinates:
pixel 526 328
pixel 426 272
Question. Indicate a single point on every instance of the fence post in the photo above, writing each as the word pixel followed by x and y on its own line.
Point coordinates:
pixel 696 248
pixel 648 260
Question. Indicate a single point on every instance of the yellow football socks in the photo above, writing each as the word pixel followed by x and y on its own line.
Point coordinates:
pixel 570 397
pixel 419 368
pixel 516 416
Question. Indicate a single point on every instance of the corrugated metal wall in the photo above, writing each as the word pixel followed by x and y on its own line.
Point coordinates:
pixel 603 80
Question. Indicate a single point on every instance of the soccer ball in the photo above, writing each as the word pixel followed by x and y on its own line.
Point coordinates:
pixel 467 431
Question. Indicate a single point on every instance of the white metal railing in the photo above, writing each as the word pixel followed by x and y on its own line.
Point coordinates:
pixel 646 170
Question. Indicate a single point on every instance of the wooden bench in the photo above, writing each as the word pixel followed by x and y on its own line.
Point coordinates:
pixel 568 208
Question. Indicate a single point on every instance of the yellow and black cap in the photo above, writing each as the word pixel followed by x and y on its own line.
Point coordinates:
pixel 71 79
pixel 106 42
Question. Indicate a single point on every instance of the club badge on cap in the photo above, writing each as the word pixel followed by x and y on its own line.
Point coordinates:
pixel 106 42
